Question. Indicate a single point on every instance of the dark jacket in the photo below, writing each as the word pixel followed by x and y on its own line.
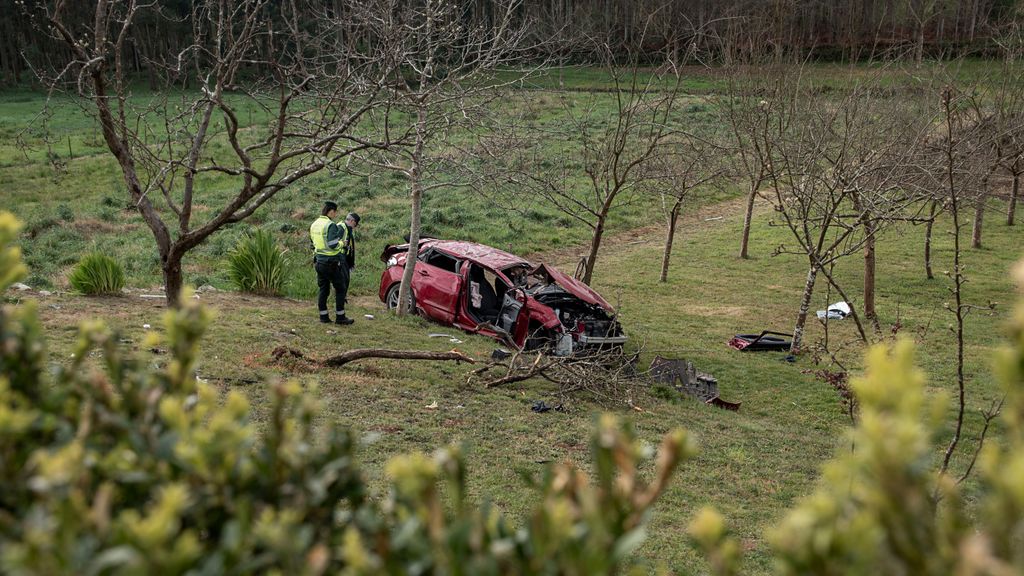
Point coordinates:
pixel 350 245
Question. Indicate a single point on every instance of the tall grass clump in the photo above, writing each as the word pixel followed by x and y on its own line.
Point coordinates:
pixel 97 274
pixel 257 265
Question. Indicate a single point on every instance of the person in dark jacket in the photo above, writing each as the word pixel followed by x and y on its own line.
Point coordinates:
pixel 351 222
pixel 330 260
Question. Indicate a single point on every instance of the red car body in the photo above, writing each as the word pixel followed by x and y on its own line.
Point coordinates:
pixel 488 291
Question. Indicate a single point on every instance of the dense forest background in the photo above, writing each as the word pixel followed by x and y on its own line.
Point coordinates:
pixel 854 30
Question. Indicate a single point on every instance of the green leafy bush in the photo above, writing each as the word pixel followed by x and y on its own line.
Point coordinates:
pixel 97 274
pixel 257 265
pixel 125 469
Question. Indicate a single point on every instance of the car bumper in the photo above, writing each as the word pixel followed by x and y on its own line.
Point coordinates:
pixel 585 340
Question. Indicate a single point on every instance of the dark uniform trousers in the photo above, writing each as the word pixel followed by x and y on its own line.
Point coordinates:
pixel 331 273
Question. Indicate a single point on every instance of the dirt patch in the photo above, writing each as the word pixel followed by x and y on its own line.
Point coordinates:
pixel 702 218
pixel 89 227
pixel 730 311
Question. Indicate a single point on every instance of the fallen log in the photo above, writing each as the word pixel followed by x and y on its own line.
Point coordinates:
pixel 360 353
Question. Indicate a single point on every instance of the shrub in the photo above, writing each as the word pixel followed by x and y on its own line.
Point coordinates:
pixel 144 470
pixel 257 265
pixel 97 274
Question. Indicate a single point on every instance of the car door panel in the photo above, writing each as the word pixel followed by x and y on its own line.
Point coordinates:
pixel 437 291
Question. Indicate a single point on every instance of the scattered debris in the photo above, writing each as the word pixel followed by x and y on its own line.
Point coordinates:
pixel 368 316
pixel 837 311
pixel 152 296
pixel 20 287
pixel 541 407
pixel 714 218
pixel 146 326
pixel 684 377
pixel 761 342
pixel 45 293
pixel 500 354
pixel 206 288
pixel 439 335
pixel 431 406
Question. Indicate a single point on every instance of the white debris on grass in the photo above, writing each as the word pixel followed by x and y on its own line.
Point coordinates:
pixel 837 311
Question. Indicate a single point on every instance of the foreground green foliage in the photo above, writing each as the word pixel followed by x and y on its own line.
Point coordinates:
pixel 97 274
pixel 142 471
pixel 882 508
pixel 257 265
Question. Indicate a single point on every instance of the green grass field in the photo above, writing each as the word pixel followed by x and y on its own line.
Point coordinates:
pixel 754 463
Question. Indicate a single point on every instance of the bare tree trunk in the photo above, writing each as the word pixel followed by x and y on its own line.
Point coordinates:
pixel 869 275
pixel 958 282
pixel 405 290
pixel 1014 191
pixel 173 279
pixel 595 245
pixel 669 238
pixel 747 217
pixel 805 306
pixel 928 240
pixel 979 217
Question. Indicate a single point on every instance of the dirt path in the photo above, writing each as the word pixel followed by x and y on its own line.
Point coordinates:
pixel 717 214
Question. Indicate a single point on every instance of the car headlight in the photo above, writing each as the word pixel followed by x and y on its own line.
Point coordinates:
pixel 392 261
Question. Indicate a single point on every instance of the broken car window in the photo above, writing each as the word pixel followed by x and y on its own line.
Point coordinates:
pixel 440 260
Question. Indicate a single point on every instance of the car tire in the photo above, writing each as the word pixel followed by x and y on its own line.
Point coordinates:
pixel 391 297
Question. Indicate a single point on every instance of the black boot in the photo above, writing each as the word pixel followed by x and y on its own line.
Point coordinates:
pixel 325 319
pixel 344 320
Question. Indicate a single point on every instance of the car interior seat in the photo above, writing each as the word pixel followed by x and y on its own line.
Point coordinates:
pixel 488 309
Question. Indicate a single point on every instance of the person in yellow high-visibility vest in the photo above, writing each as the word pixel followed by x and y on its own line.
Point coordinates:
pixel 329 259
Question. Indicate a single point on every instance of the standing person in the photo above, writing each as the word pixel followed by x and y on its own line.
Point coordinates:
pixel 351 222
pixel 331 262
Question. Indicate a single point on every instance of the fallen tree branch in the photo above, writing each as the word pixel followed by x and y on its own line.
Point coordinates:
pixel 360 353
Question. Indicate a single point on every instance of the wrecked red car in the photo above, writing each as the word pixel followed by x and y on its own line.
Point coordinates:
pixel 488 291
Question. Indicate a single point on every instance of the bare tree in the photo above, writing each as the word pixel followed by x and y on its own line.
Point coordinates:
pixel 683 167
pixel 309 84
pixel 599 154
pixel 960 175
pixel 442 78
pixel 836 170
pixel 746 115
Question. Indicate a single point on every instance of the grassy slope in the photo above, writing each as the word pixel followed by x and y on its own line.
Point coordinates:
pixel 754 463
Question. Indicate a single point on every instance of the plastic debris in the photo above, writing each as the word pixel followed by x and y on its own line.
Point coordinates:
pixel 836 311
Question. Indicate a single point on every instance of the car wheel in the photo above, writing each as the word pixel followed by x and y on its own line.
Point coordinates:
pixel 391 297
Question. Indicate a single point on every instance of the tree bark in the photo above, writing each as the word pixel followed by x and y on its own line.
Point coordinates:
pixel 805 306
pixel 748 215
pixel 673 218
pixel 869 274
pixel 595 245
pixel 405 290
pixel 173 280
pixel 928 240
pixel 1014 192
pixel 979 217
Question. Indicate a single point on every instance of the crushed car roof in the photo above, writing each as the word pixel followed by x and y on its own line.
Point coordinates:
pixel 486 255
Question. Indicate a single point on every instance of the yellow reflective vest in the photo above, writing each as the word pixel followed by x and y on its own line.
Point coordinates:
pixel 318 234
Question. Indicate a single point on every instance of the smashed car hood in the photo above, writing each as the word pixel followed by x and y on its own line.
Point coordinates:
pixel 574 287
